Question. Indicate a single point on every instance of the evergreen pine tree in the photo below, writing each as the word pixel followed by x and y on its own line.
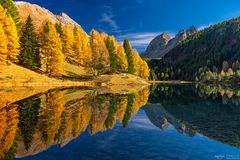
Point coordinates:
pixel 28 116
pixel 30 51
pixel 120 56
pixel 128 51
pixel 12 11
pixel 112 55
pixel 129 110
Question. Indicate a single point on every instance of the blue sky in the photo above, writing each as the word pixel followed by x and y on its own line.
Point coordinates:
pixel 141 20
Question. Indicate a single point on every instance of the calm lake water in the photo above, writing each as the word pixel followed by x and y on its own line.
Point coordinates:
pixel 160 122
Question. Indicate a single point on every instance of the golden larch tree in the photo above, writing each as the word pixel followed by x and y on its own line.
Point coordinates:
pixel 145 73
pixel 68 39
pixel 99 52
pixel 3 46
pixel 122 59
pixel 51 49
pixel 13 40
pixel 11 33
pixel 136 62
pixel 81 47
pixel 52 106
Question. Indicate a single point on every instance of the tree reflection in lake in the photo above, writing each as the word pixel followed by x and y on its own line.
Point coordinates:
pixel 58 116
pixel 213 111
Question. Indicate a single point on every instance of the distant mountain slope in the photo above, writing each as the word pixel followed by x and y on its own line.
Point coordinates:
pixel 206 49
pixel 162 44
pixel 39 14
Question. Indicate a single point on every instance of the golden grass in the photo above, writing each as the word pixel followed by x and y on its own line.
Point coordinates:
pixel 120 83
pixel 75 71
pixel 17 83
pixel 11 95
pixel 14 75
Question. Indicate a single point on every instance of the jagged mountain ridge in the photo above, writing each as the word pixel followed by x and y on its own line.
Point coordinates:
pixel 40 14
pixel 163 43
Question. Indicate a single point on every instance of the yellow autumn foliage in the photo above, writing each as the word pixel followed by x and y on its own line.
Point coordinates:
pixel 51 49
pixel 68 42
pixel 9 124
pixel 81 47
pixel 50 117
pixel 11 34
pixel 3 46
pixel 99 52
pixel 122 58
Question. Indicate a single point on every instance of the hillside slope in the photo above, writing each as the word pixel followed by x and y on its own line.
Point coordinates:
pixel 14 75
pixel 206 49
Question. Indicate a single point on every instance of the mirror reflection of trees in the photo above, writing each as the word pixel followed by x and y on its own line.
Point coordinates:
pixel 186 93
pixel 28 116
pixel 209 110
pixel 59 116
pixel 9 119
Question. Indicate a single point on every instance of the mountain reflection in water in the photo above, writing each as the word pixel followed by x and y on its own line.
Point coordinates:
pixel 32 125
pixel 213 111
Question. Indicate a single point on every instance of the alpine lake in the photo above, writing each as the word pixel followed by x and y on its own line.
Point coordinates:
pixel 169 122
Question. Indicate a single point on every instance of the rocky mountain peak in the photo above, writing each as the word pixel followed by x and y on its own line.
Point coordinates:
pixel 64 15
pixel 180 36
pixel 165 36
pixel 192 30
pixel 66 20
pixel 40 14
pixel 162 44
pixel 157 43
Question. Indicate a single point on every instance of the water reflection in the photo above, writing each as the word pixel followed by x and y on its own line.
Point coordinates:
pixel 34 124
pixel 57 117
pixel 213 111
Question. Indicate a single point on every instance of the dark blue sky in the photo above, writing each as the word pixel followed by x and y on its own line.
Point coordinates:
pixel 141 20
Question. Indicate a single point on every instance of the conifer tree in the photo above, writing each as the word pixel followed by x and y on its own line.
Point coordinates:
pixel 68 41
pixel 128 51
pixel 13 40
pixel 10 31
pixel 81 47
pixel 129 110
pixel 30 49
pixel 3 46
pixel 51 49
pixel 136 62
pixel 100 53
pixel 122 59
pixel 12 11
pixel 104 36
pixel 145 73
pixel 114 67
pixel 59 28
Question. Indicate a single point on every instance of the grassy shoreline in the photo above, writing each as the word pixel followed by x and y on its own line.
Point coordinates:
pixel 17 76
pixel 173 82
pixel 103 84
